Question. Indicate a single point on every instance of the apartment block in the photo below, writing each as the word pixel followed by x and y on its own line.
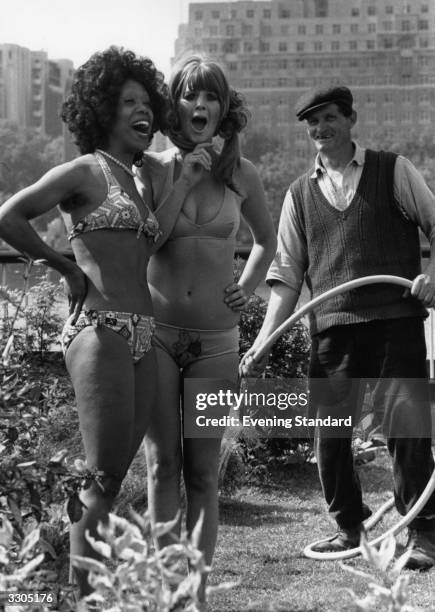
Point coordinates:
pixel 275 50
pixel 32 88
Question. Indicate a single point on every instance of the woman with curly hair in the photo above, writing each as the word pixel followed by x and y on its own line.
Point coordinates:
pixel 196 302
pixel 115 107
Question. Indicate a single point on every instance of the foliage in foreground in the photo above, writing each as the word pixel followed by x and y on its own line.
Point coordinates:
pixel 387 590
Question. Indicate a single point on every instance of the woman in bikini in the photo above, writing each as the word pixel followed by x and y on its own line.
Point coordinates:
pixel 113 111
pixel 195 300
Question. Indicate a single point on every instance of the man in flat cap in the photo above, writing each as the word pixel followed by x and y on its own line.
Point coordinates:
pixel 357 213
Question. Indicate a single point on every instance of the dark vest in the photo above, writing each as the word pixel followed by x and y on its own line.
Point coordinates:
pixel 372 236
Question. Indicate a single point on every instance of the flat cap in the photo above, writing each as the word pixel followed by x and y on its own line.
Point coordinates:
pixel 319 96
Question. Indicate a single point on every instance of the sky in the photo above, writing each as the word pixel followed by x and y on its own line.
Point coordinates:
pixel 74 29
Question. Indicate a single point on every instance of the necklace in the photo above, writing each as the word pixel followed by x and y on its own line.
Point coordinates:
pixel 116 161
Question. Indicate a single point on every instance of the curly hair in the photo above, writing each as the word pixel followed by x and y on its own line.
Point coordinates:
pixel 200 73
pixel 90 110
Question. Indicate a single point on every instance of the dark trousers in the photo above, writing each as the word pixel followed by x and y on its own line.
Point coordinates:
pixel 389 355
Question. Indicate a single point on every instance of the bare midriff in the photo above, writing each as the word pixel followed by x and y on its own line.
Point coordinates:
pixel 115 263
pixel 187 279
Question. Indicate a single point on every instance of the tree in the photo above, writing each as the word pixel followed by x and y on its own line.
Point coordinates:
pixel 25 156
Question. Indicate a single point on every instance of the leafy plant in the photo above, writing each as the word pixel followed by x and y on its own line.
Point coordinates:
pixel 30 321
pixel 132 576
pixel 388 590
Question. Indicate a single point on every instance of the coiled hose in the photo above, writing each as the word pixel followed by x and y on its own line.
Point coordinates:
pixel 369 523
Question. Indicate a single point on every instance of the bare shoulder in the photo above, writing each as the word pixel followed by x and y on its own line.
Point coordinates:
pixel 246 177
pixel 79 171
pixel 156 162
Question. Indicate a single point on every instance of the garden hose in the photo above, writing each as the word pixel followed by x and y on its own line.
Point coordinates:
pixel 430 487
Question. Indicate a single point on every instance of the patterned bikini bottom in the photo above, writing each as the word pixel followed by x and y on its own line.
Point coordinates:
pixel 136 329
pixel 186 345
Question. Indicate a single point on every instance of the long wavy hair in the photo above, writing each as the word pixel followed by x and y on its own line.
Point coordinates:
pixel 196 72
pixel 90 110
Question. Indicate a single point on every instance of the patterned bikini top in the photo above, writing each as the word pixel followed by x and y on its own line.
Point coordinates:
pixel 117 212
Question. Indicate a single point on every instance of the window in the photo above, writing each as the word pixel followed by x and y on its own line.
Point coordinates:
pixel 353 45
pixel 354 28
pixel 424 8
pixel 215 14
pixel 247 47
pixel 423 24
pixel 264 47
pixel 267 13
pixel 335 45
pixel 233 14
pixel 250 13
pixel 317 46
pixel 302 29
pixel 319 28
pixel 371 27
pixel 212 48
pixel 424 42
pixel 406 26
pixel 213 30
pixel 229 30
pixel 389 10
pixel 336 28
pixel 282 46
pixel 370 44
pixel 354 12
pixel 321 8
pixel 232 66
pixel 198 15
pixel 388 26
pixel 371 10
pixel 300 46
pixel 388 43
pixel 284 13
pixel 388 114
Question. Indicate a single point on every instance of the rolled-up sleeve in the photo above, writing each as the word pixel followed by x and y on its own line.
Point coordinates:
pixel 414 196
pixel 290 262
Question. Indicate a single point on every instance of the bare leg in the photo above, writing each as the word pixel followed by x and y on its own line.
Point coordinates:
pixel 201 464
pixel 103 377
pixel 163 447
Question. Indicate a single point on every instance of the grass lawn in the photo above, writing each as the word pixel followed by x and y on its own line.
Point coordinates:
pixel 264 528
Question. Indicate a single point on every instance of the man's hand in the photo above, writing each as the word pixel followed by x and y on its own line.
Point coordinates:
pixel 249 367
pixel 423 288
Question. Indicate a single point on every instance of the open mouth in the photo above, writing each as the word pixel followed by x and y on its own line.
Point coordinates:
pixel 143 127
pixel 199 123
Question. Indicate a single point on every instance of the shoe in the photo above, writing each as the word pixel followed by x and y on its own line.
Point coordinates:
pixel 344 539
pixel 422 547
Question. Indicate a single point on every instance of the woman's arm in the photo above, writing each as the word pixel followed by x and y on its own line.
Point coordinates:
pixel 57 185
pixel 167 204
pixel 260 223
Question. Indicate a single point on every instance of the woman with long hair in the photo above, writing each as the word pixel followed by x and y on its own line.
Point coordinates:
pixel 196 301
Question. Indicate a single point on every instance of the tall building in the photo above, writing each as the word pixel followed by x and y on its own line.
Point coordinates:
pixel 32 88
pixel 275 50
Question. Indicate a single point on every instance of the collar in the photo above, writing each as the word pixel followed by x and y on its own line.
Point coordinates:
pixel 357 159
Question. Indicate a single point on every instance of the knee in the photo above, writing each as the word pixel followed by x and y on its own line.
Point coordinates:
pixel 163 470
pixel 202 480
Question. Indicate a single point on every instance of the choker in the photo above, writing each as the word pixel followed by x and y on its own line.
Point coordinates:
pixel 117 162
